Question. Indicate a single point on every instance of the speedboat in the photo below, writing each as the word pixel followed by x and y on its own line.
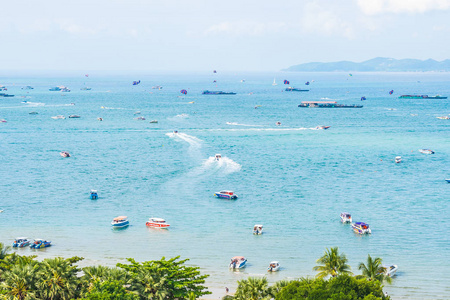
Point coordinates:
pixel 74 116
pixel 226 194
pixel 361 228
pixel 444 118
pixel 86 88
pixel 119 222
pixel 157 87
pixel 258 229
pixel 273 266
pixel 100 119
pixel 398 159
pixel 33 113
pixel 93 195
pixel 3 121
pixel 426 151
pixel 390 270
pixel 448 180
pixel 175 131
pixel 322 127
pixel 40 243
pixel 218 157
pixel 58 117
pixel 64 154
pixel 278 123
pixel 140 118
pixel 21 242
pixel 238 262
pixel 154 121
pixel 346 217
pixel 157 223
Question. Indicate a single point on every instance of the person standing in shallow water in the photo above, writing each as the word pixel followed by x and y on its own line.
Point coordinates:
pixel 226 290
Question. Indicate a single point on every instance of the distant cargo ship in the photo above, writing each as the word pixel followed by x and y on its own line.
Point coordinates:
pixel 217 93
pixel 327 104
pixel 291 89
pixel 421 97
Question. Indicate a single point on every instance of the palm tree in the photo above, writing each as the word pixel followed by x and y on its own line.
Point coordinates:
pixel 58 279
pixel 4 250
pixel 374 270
pixel 20 282
pixel 276 288
pixel 252 289
pixel 332 263
pixel 150 284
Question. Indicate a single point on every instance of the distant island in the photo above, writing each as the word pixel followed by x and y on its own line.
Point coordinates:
pixel 379 64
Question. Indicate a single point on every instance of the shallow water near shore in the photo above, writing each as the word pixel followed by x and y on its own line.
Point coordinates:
pixel 293 179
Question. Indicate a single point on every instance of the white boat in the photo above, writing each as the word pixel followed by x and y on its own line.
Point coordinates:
pixel 361 228
pixel 398 159
pixel 426 151
pixel 58 117
pixel 273 266
pixel 346 217
pixel 278 123
pixel 121 221
pixel 238 262
pixel 444 118
pixel 157 87
pixel 390 270
pixel 140 118
pixel 258 229
pixel 274 83
pixel 64 154
pixel 157 223
pixel 226 194
pixel 154 121
pixel 218 157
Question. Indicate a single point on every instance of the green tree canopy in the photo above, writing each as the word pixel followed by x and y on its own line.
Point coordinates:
pixel 109 290
pixel 332 263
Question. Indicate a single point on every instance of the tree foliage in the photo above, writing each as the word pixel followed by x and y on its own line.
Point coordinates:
pixel 332 263
pixel 109 290
pixel 374 270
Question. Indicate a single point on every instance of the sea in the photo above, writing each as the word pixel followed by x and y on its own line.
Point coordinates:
pixel 293 179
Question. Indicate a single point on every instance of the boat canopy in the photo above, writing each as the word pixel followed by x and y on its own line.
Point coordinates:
pixel 318 102
pixel 120 218
pixel 157 220
pixel 238 258
pixel 227 192
pixel 21 238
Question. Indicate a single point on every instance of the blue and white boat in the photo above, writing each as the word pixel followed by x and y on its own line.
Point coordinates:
pixel 361 228
pixel 238 262
pixel 226 195
pixel 21 242
pixel 346 217
pixel 119 222
pixel 40 243
pixel 93 195
pixel 448 180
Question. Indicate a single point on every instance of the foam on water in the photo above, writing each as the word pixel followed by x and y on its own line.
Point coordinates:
pixel 238 124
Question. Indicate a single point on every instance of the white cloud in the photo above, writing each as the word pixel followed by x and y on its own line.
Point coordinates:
pixel 373 7
pixel 318 19
pixel 245 28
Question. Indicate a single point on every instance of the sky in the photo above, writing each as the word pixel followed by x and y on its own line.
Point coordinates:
pixel 231 35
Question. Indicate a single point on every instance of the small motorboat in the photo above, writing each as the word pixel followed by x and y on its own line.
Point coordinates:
pixel 426 151
pixel 278 123
pixel 3 121
pixel 100 119
pixel 258 229
pixel 448 180
pixel 119 222
pixel 140 118
pixel 154 121
pixel 321 127
pixel 137 113
pixel 390 270
pixel 398 159
pixel 157 223
pixel 175 131
pixel 218 157
pixel 64 154
pixel 192 102
pixel 273 266
pixel 444 118
pixel 59 117
pixel 346 217
pixel 226 194
pixel 33 113
pixel 238 262
pixel 85 88
pixel 157 87
pixel 93 195
pixel 361 228
pixel 40 243
pixel 21 242
pixel 74 117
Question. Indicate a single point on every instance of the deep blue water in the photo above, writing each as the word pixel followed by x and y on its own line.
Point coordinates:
pixel 292 179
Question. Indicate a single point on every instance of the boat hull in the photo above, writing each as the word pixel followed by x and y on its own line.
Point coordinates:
pixel 229 197
pixel 120 225
pixel 156 225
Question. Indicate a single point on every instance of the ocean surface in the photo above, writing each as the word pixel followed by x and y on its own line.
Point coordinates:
pixel 293 179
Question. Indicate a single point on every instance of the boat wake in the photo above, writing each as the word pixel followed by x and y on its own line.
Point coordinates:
pixel 33 103
pixel 191 140
pixel 238 124
pixel 224 165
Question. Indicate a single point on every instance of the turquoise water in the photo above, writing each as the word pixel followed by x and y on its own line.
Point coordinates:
pixel 292 179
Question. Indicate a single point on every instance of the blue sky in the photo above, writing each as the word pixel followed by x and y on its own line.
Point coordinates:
pixel 198 35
